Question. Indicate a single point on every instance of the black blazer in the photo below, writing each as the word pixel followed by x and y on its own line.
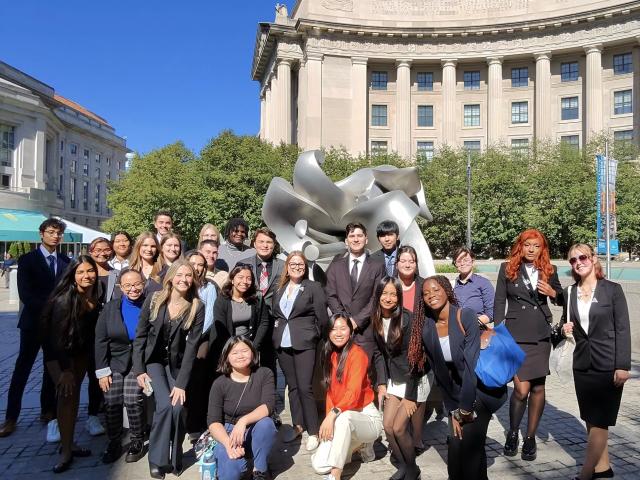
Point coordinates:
pixel 35 284
pixel 527 315
pixel 395 365
pixel 459 384
pixel 378 255
pixel 357 303
pixel 113 348
pixel 607 344
pixel 277 266
pixel 222 328
pixel 183 347
pixel 308 316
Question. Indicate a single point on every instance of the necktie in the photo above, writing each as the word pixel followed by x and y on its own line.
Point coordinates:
pixel 52 265
pixel 354 274
pixel 389 261
pixel 264 279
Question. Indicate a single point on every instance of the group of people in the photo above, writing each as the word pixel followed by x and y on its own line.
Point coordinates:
pixel 196 337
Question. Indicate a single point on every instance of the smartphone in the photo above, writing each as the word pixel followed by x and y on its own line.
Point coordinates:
pixel 148 389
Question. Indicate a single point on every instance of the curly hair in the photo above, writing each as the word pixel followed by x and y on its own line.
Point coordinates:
pixel 542 263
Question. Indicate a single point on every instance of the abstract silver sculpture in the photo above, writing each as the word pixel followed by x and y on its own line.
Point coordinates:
pixel 311 214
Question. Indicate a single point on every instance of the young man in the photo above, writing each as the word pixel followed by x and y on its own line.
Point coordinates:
pixel 388 234
pixel 163 223
pixel 209 249
pixel 234 248
pixel 38 272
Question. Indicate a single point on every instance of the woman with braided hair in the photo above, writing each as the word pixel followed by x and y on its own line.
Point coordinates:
pixel 451 339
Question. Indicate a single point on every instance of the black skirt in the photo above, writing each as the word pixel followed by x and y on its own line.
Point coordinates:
pixel 536 362
pixel 598 397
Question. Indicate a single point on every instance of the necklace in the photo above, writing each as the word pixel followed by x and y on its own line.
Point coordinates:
pixel 582 294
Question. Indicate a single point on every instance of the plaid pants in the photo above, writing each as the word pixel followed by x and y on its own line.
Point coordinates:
pixel 124 390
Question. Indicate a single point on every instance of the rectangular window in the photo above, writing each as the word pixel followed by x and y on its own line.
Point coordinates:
pixel 108 161
pixel 472 80
pixel 623 136
pixel 520 112
pixel 425 151
pixel 85 154
pixel 378 147
pixel 6 181
pixel 85 195
pixel 61 161
pixel 569 106
pixel 569 71
pixel 425 115
pixel 472 146
pixel 73 149
pixel 72 193
pixel 74 166
pixel 520 145
pixel 97 172
pixel 85 169
pixel 472 115
pixel 378 115
pixel 6 145
pixel 520 77
pixel 379 80
pixel 61 146
pixel 97 199
pixel 108 175
pixel 98 157
pixel 425 81
pixel 622 102
pixel 571 140
pixel 622 63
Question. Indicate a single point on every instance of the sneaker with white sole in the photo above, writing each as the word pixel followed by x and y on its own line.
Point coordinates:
pixel 328 476
pixel 367 453
pixel 93 426
pixel 312 443
pixel 53 433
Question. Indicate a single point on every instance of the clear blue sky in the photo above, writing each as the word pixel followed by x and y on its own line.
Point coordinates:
pixel 157 70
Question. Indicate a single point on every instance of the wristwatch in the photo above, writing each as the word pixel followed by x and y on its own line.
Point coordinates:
pixel 336 410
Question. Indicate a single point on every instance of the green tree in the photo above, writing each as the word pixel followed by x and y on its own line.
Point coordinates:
pixel 628 206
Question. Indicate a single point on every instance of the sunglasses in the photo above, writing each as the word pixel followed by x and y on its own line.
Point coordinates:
pixel 582 258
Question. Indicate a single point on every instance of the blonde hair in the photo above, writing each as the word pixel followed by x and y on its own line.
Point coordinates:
pixel 162 297
pixel 588 250
pixel 284 278
pixel 209 226
pixel 136 259
pixel 161 259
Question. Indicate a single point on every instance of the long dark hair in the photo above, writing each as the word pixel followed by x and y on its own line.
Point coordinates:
pixel 329 348
pixel 224 367
pixel 394 339
pixel 250 295
pixel 63 312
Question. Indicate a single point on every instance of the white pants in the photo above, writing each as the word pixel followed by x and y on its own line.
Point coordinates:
pixel 350 430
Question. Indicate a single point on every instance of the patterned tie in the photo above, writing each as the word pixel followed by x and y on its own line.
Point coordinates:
pixel 52 265
pixel 354 274
pixel 264 279
pixel 389 262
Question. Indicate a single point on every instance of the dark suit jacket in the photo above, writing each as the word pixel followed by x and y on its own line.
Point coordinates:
pixel 308 317
pixel 113 348
pixel 378 255
pixel 222 328
pixel 183 346
pixel 356 303
pixel 527 315
pixel 35 284
pixel 607 344
pixel 275 272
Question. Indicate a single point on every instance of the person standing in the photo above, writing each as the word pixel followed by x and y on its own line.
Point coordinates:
pixel 209 248
pixel 388 234
pixel 234 248
pixel 599 322
pixel 122 247
pixel 8 262
pixel 163 224
pixel 526 283
pixel 38 272
pixel 472 291
pixel 145 260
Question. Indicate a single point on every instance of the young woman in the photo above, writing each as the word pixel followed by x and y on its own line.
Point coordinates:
pixel 300 313
pixel 115 332
pixel 122 246
pixel 472 291
pixel 166 343
pixel 407 386
pixel 144 259
pixel 209 232
pixel 101 251
pixel 240 404
pixel 451 338
pixel 602 357
pixel 352 420
pixel 170 250
pixel 68 327
pixel 526 283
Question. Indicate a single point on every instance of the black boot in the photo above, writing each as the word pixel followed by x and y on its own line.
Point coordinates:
pixel 113 452
pixel 511 445
pixel 529 449
pixel 136 451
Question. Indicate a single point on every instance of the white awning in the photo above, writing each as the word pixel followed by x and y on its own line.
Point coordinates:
pixel 88 234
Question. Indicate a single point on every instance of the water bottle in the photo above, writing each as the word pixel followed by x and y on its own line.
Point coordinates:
pixel 209 467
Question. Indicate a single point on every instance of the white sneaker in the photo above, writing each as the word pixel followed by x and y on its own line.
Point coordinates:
pixel 328 477
pixel 312 443
pixel 367 454
pixel 93 426
pixel 53 433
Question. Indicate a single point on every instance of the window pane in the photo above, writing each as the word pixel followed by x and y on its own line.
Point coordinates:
pixel 378 146
pixel 569 71
pixel 472 146
pixel 6 145
pixel 520 77
pixel 379 80
pixel 569 106
pixel 472 115
pixel 520 145
pixel 425 81
pixel 379 115
pixel 571 140
pixel 622 63
pixel 425 151
pixel 520 112
pixel 623 136
pixel 623 102
pixel 472 80
pixel 425 115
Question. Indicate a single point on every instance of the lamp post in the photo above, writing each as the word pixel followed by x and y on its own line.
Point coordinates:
pixel 129 156
pixel 469 200
pixel 607 219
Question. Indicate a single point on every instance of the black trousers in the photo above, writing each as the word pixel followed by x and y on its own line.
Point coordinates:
pixel 202 376
pixel 29 347
pixel 93 388
pixel 298 367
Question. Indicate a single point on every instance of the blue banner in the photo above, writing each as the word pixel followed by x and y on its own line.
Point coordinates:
pixel 601 206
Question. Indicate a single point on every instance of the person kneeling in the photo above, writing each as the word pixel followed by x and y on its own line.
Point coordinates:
pixel 240 404
pixel 353 421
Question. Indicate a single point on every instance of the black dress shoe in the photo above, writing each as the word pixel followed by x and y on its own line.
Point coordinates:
pixel 136 451
pixel 608 473
pixel 511 444
pixel 529 449
pixel 78 452
pixel 63 466
pixel 113 452
pixel 155 471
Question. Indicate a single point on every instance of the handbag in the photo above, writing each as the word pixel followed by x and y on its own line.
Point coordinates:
pixel 561 358
pixel 500 355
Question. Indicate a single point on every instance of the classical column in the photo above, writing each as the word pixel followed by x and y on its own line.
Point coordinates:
pixel 302 104
pixel 494 102
pixel 359 119
pixel 542 110
pixel 592 108
pixel 449 101
pixel 268 113
pixel 403 108
pixel 313 124
pixel 284 100
pixel 275 125
pixel 263 114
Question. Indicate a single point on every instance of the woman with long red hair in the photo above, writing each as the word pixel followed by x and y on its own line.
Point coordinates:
pixel 526 283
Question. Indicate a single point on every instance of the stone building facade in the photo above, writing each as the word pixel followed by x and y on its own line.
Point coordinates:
pixel 56 156
pixel 412 75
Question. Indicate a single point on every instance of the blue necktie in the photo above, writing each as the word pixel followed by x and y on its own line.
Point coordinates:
pixel 389 265
pixel 52 265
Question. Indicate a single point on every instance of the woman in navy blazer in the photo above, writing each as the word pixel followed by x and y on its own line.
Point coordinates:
pixel 300 313
pixel 452 353
pixel 602 357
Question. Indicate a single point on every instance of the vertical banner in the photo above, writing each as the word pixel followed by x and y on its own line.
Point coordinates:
pixel 601 206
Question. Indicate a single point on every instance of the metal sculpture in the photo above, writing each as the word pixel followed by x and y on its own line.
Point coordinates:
pixel 311 214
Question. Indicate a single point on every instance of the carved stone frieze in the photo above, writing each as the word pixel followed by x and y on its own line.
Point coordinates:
pixel 289 49
pixel 447 8
pixel 341 5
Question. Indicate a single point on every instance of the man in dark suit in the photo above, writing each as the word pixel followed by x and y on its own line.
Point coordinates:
pixel 388 234
pixel 351 280
pixel 38 272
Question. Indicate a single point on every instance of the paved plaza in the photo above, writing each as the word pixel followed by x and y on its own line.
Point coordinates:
pixel 561 436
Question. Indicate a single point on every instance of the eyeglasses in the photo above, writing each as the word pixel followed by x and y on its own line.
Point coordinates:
pixel 296 265
pixel 54 233
pixel 128 286
pixel 583 258
pixel 245 265
pixel 100 251
pixel 464 262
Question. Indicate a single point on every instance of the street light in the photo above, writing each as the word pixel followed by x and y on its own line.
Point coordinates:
pixel 469 199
